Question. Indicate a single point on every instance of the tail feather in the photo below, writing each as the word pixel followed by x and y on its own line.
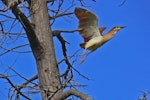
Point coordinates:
pixel 82 45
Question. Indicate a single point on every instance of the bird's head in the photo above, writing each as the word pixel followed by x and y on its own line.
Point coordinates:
pixel 117 28
pixel 114 30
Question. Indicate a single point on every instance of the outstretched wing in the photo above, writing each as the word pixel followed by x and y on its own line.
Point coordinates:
pixel 88 24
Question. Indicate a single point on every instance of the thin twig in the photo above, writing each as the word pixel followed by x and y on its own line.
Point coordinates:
pixel 13 49
pixel 11 83
pixel 28 80
pixel 80 74
pixel 122 3
pixel 60 15
pixel 59 7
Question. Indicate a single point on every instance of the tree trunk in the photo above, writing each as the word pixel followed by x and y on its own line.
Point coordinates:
pixel 48 71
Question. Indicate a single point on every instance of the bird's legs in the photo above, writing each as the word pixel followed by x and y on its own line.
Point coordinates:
pixel 85 56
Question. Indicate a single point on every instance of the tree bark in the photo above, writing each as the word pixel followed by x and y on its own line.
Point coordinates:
pixel 48 71
pixel 76 93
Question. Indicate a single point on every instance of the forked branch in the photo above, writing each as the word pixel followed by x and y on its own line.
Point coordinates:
pixel 74 93
pixel 11 83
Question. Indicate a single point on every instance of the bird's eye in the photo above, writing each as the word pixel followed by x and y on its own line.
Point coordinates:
pixel 84 11
pixel 117 27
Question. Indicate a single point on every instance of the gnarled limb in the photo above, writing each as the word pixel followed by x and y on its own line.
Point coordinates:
pixel 74 93
pixel 58 32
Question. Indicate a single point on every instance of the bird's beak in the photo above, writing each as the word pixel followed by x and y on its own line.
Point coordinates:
pixel 122 27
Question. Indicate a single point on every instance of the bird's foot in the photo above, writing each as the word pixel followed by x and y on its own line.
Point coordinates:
pixel 81 56
pixel 81 62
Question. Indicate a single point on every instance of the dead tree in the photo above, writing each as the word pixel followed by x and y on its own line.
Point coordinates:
pixel 38 30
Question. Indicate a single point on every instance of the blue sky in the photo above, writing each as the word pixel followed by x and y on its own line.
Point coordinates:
pixel 119 70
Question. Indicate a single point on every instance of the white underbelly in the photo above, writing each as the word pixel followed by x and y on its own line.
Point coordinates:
pixel 94 41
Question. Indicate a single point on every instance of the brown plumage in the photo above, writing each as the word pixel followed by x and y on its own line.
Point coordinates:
pixel 88 29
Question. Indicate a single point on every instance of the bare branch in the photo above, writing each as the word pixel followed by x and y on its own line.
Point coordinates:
pixel 57 32
pixel 63 43
pixel 122 3
pixel 74 93
pixel 11 83
pixel 80 74
pixel 60 15
pixel 144 95
pixel 11 3
pixel 82 2
pixel 25 83
pixel 7 16
pixel 59 7
pixel 13 49
pixel 30 80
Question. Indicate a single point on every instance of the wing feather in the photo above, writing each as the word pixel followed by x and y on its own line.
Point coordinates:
pixel 88 24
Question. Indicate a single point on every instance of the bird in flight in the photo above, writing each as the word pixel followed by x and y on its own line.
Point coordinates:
pixel 88 29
